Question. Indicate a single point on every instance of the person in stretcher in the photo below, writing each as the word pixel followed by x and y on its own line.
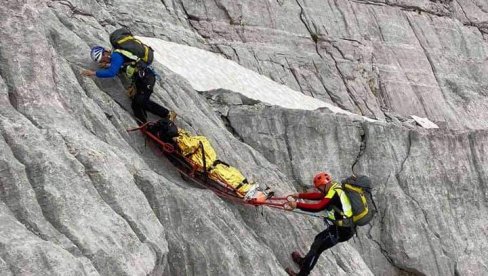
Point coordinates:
pixel 203 156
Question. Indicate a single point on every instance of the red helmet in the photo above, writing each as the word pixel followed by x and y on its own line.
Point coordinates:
pixel 321 179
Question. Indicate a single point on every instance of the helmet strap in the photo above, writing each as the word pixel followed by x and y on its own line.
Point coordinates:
pixel 322 189
pixel 327 186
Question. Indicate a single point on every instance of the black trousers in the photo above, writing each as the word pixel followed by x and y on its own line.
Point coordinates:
pixel 323 241
pixel 141 103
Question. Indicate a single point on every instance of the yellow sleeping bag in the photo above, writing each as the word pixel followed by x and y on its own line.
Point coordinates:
pixel 232 176
pixel 190 147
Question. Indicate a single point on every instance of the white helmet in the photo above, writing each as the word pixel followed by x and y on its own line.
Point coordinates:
pixel 96 53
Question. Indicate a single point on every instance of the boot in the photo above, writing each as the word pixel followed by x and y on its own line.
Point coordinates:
pixel 297 258
pixel 172 116
pixel 290 272
pixel 268 192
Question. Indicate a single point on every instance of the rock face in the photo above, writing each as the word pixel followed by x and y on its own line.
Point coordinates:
pixel 79 195
pixel 420 198
pixel 424 58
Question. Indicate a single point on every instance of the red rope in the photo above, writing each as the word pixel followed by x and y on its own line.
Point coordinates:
pixel 138 128
pixel 280 198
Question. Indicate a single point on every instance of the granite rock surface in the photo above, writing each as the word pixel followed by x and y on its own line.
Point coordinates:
pixel 79 195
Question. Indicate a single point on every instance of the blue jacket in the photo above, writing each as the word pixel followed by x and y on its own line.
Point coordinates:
pixel 116 63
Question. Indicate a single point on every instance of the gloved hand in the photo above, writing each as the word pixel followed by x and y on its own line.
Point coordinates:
pixel 292 197
pixel 131 91
pixel 88 73
pixel 290 205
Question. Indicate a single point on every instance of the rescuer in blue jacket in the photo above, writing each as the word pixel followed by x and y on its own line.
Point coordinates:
pixel 143 80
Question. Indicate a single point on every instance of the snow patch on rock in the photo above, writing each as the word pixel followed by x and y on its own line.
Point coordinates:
pixel 209 71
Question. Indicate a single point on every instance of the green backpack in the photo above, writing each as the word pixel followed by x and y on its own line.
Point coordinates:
pixel 124 42
pixel 358 190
